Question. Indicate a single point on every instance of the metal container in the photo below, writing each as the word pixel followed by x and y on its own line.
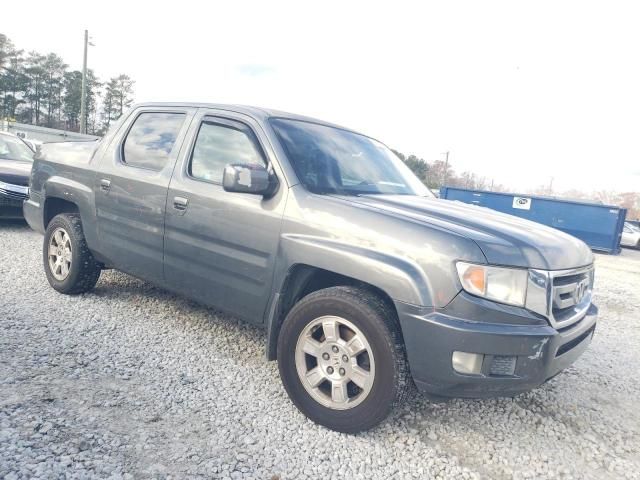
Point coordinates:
pixel 599 226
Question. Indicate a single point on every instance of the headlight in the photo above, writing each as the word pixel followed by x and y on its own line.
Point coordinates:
pixel 505 285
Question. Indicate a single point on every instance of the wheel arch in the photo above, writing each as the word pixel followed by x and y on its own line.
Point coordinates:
pixel 65 195
pixel 301 280
pixel 310 263
pixel 55 206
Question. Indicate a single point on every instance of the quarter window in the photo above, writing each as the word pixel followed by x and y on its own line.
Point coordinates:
pixel 151 139
pixel 218 145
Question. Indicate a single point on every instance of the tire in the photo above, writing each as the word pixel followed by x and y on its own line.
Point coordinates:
pixel 77 271
pixel 361 400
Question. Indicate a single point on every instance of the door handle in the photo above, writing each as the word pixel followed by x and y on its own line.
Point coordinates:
pixel 180 203
pixel 105 184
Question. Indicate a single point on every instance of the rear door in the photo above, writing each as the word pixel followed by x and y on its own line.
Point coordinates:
pixel 131 189
pixel 220 246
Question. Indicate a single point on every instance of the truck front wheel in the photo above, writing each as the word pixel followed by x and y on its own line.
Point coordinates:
pixel 68 263
pixel 341 358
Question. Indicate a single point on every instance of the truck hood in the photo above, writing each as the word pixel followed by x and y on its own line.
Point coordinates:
pixel 67 152
pixel 15 172
pixel 504 239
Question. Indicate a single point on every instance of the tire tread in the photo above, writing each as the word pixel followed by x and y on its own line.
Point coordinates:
pixel 365 300
pixel 88 268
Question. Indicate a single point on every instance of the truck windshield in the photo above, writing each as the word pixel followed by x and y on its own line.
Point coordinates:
pixel 14 149
pixel 332 160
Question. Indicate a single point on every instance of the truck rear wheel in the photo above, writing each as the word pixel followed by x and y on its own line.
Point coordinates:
pixel 342 360
pixel 68 263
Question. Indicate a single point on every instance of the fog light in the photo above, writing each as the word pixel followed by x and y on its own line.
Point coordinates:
pixel 467 363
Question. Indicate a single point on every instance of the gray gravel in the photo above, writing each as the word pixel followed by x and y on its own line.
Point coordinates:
pixel 130 381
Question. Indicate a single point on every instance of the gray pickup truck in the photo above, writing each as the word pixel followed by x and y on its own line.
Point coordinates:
pixel 365 283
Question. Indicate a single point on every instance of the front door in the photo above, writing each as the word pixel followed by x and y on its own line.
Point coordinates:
pixel 220 246
pixel 131 190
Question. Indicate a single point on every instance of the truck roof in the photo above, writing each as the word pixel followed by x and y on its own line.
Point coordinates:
pixel 258 113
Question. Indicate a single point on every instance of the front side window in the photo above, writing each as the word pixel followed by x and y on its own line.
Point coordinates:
pixel 332 160
pixel 151 139
pixel 219 144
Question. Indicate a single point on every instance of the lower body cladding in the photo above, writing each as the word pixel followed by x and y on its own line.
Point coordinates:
pixel 464 357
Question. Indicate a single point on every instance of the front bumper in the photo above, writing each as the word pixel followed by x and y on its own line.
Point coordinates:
pixel 540 351
pixel 11 198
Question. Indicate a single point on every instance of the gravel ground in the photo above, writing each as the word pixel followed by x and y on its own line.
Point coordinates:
pixel 130 381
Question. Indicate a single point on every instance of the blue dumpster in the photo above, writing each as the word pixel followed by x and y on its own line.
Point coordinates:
pixel 599 226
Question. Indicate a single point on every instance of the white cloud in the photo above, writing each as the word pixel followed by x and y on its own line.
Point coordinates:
pixel 517 91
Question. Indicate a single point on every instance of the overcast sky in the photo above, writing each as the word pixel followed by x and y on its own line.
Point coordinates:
pixel 517 91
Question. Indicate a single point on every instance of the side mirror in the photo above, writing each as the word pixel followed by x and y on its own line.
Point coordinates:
pixel 248 178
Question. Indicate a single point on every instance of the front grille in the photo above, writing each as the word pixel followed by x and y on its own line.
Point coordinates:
pixel 13 192
pixel 571 296
pixel 562 296
pixel 18 196
pixel 9 202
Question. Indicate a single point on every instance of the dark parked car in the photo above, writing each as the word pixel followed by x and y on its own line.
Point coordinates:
pixel 363 280
pixel 16 159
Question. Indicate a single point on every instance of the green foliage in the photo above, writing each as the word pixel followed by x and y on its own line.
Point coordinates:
pixel 6 48
pixel 118 96
pixel 433 174
pixel 72 100
pixel 418 166
pixel 39 89
pixel 13 80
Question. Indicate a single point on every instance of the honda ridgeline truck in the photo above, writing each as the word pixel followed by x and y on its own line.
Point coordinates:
pixel 364 282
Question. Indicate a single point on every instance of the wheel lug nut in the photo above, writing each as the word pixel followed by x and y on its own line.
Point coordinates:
pixel 335 349
pixel 325 356
pixel 341 372
pixel 345 358
pixel 330 370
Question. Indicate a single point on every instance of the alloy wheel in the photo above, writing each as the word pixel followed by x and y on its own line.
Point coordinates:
pixel 60 254
pixel 335 363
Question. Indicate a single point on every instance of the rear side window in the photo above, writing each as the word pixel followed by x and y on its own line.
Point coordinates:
pixel 151 139
pixel 218 145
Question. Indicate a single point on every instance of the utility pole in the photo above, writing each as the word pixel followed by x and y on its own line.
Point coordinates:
pixel 551 186
pixel 83 94
pixel 446 168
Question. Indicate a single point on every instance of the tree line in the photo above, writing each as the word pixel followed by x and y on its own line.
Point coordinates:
pixel 39 89
pixel 433 176
pixel 436 173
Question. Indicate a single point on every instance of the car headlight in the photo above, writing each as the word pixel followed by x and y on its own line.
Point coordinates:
pixel 504 285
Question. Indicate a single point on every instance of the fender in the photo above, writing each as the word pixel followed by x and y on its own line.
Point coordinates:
pixel 399 278
pixel 79 194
